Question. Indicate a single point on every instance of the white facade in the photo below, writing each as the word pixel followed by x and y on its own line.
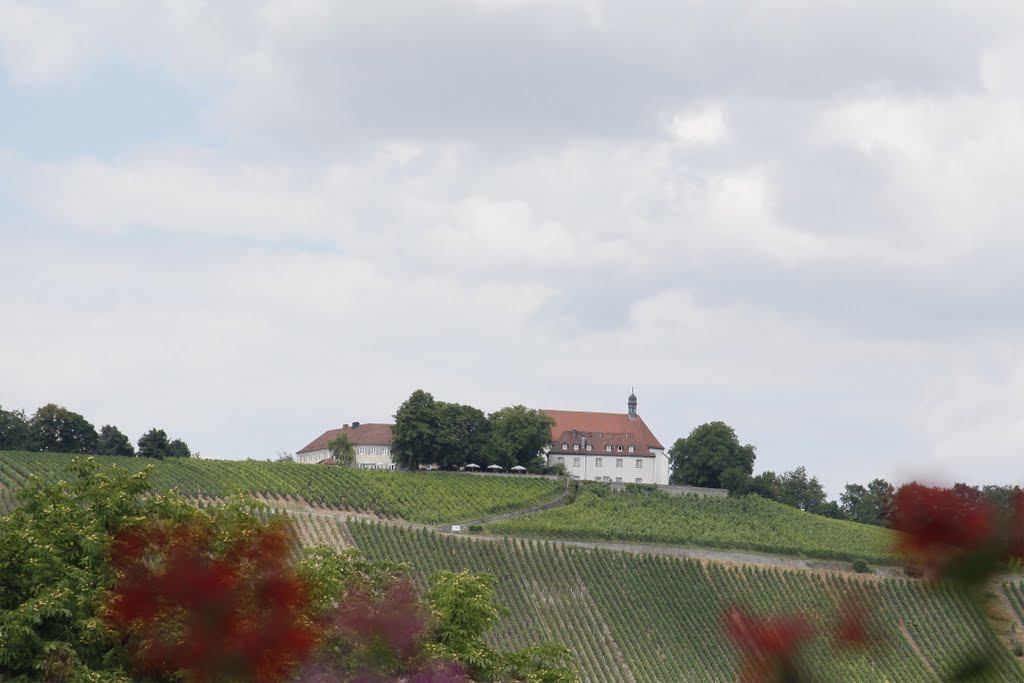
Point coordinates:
pixel 623 468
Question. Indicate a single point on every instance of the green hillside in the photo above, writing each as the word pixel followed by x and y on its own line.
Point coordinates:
pixel 425 497
pixel 749 523
pixel 653 619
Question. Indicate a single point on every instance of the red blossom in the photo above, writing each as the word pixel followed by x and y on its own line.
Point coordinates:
pixel 397 618
pixel 939 524
pixel 239 616
pixel 853 627
pixel 769 644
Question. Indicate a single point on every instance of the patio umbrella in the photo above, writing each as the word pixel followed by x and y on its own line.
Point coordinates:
pixel 472 466
pixel 494 467
pixel 519 468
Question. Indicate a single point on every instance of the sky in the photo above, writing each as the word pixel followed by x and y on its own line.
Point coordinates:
pixel 249 222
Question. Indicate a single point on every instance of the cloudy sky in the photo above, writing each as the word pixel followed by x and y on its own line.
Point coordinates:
pixel 248 222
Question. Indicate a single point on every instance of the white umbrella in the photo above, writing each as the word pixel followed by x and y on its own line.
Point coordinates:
pixel 472 466
pixel 519 468
pixel 494 467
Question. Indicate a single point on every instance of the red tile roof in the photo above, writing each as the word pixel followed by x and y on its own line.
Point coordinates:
pixel 613 428
pixel 363 435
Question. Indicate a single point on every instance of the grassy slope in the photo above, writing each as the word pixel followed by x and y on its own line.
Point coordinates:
pixel 655 619
pixel 750 523
pixel 415 497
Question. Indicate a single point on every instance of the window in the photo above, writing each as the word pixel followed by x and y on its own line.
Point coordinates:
pixel 598 463
pixel 620 449
pixel 590 447
pixel 575 462
pixel 618 462
pixel 639 463
pixel 575 446
pixel 639 480
pixel 618 480
pixel 631 449
pixel 608 448
pixel 565 446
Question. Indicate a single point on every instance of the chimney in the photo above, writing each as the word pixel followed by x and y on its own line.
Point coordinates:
pixel 354 425
pixel 345 426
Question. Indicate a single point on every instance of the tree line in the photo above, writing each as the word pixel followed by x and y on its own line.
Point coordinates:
pixel 55 429
pixel 453 435
pixel 713 456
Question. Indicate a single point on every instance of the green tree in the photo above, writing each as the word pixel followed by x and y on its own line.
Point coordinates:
pixel 15 434
pixel 867 505
pixel 462 434
pixel 53 559
pixel 414 438
pixel 342 450
pixel 799 490
pixel 710 454
pixel 518 434
pixel 464 608
pixel 154 444
pixel 178 449
pixel 56 429
pixel 113 442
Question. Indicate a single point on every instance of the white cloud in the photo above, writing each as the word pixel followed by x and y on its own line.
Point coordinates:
pixel 705 127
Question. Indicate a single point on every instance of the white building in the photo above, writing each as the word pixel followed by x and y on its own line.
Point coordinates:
pixel 372 443
pixel 612 447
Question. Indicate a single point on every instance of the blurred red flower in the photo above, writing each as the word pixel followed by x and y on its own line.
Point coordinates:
pixel 769 644
pixel 231 615
pixel 939 524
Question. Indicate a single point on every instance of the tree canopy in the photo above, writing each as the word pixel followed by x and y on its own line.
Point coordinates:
pixel 414 437
pixel 113 442
pixel 14 430
pixel 518 434
pixel 56 429
pixel 342 450
pixel 711 456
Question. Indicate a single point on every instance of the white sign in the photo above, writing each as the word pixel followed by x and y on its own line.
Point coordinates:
pixel 456 528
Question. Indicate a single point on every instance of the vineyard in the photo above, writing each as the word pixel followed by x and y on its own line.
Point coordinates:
pixel 653 618
pixel 750 523
pixel 428 498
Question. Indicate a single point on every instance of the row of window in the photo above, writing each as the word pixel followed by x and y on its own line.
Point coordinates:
pixel 372 450
pixel 598 462
pixel 590 447
pixel 618 480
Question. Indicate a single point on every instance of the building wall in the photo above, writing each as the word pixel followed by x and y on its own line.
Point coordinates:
pixel 374 457
pixel 624 468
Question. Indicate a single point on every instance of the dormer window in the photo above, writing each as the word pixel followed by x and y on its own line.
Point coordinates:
pixel 565 446
pixel 620 449
pixel 575 446
pixel 631 449
pixel 590 447
pixel 608 448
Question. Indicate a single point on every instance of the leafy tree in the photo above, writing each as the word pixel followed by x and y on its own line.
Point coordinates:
pixel 462 434
pixel 414 438
pixel 766 485
pixel 464 609
pixel 178 449
pixel 15 434
pixel 867 505
pixel 801 491
pixel 707 454
pixel 56 429
pixel 518 434
pixel 342 450
pixel 113 442
pixel 53 552
pixel 154 444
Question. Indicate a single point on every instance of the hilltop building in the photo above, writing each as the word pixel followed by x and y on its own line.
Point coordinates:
pixel 612 447
pixel 372 443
